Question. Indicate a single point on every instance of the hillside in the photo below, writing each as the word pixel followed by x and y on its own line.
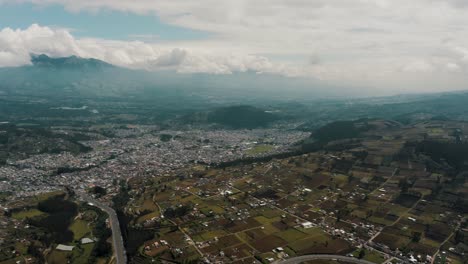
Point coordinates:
pixel 233 117
pixel 22 142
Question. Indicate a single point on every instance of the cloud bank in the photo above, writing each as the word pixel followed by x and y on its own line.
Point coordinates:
pixel 17 45
pixel 406 46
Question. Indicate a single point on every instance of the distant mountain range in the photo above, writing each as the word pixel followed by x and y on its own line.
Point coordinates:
pixel 73 80
pixel 72 62
pixel 75 76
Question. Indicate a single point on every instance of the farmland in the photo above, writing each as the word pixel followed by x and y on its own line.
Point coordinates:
pixel 369 194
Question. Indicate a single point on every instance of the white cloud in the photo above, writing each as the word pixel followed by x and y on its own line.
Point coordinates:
pixel 16 45
pixel 380 43
pixel 419 66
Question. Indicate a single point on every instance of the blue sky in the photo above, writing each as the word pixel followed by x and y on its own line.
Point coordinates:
pixel 106 24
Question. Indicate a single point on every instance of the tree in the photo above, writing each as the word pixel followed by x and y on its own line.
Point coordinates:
pixel 416 236
pixel 404 185
pixel 369 214
pixel 98 191
pixel 366 197
pixel 362 253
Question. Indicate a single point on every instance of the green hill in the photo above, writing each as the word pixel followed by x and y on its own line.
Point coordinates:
pixel 241 116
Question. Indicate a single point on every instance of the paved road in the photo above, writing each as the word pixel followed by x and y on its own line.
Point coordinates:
pixel 117 240
pixel 305 258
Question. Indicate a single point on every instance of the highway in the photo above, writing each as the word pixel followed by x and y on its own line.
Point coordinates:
pixel 305 258
pixel 119 250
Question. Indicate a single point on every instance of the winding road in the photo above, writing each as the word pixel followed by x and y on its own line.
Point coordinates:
pixel 117 240
pixel 305 258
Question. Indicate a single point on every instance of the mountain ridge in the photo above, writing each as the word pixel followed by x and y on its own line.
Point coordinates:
pixel 71 62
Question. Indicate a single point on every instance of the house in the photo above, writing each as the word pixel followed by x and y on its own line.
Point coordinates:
pixel 307 225
pixel 64 247
pixel 86 240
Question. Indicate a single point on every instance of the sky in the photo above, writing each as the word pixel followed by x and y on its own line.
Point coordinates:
pixel 386 46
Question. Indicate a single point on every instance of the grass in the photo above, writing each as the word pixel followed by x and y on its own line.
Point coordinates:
pixel 212 234
pixel 216 209
pixel 21 248
pixel 89 215
pixel 264 221
pixel 291 235
pixel 148 205
pixel 302 244
pixel 269 229
pixel 392 240
pixel 314 231
pixel 372 256
pixel 341 180
pixel 271 213
pixel 81 256
pixel 45 196
pixel 58 257
pixel 80 229
pixel 379 220
pixel 27 214
pixel 259 149
pixel 145 217
pixel 359 213
pixel 429 242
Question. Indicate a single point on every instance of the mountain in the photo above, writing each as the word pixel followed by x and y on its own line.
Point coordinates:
pixel 79 78
pixel 72 62
pixel 74 76
pixel 67 77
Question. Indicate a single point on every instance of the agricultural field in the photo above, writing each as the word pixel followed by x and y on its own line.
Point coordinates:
pixel 325 202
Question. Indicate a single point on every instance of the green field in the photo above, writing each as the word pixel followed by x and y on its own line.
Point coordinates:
pixel 80 229
pixel 259 149
pixel 145 217
pixel 81 255
pixel 371 256
pixel 58 257
pixel 210 235
pixel 27 214
pixel 302 244
pixel 291 235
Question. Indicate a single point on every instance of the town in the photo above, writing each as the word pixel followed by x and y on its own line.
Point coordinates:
pixel 139 151
pixel 378 198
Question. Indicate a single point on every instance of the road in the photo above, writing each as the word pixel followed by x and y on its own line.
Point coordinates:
pixel 447 239
pixel 117 241
pixel 305 258
pixel 181 229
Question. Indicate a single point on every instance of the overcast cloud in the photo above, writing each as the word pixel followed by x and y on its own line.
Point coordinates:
pixel 407 46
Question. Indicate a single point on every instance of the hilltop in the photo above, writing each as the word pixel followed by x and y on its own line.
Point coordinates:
pixel 72 62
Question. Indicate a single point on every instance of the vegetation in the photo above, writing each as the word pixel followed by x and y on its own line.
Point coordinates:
pixel 59 214
pixel 21 142
pixel 241 116
pixel 98 191
pixel 340 130
pixel 455 154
